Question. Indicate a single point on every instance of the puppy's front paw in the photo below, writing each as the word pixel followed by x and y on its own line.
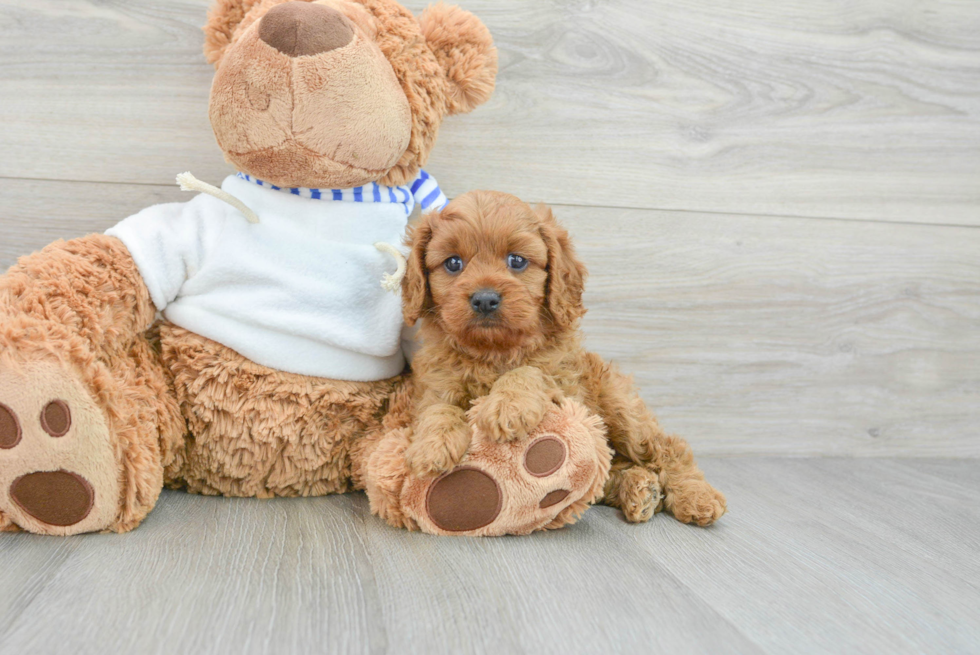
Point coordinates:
pixel 437 450
pixel 505 417
pixel 696 501
pixel 639 494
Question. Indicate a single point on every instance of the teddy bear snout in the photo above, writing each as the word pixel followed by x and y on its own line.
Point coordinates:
pixel 305 28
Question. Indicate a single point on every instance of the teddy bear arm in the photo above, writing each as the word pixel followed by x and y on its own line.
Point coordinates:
pixel 89 286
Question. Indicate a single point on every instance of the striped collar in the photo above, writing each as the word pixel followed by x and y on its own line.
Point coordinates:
pixel 424 191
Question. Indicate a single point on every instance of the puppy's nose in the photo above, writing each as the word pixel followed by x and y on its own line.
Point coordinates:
pixel 304 28
pixel 485 301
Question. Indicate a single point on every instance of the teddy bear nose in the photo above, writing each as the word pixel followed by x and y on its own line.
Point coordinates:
pixel 304 28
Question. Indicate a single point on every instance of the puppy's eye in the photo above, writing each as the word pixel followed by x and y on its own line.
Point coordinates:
pixel 454 264
pixel 516 262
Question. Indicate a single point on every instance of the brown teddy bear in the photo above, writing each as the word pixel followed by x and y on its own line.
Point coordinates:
pixel 276 369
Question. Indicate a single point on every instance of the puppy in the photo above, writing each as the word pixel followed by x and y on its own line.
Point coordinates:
pixel 498 289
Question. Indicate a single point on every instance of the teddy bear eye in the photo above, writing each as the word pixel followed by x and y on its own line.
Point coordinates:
pixel 454 264
pixel 516 262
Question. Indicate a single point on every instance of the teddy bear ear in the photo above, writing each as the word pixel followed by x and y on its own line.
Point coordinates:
pixel 223 18
pixel 463 46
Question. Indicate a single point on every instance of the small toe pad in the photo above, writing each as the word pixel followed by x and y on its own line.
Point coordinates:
pixel 56 418
pixel 554 498
pixel 9 428
pixel 544 457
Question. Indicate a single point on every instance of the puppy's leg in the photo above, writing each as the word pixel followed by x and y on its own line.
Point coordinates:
pixel 633 489
pixel 439 441
pixel 636 436
pixel 515 405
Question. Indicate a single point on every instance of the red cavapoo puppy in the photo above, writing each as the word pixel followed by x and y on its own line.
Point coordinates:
pixel 499 290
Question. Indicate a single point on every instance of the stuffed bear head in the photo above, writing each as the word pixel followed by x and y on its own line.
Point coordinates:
pixel 340 93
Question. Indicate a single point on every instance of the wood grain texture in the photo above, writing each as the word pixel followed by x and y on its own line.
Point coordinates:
pixel 865 110
pixel 33 213
pixel 747 334
pixel 815 556
pixel 786 335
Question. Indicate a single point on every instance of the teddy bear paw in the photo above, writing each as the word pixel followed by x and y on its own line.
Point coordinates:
pixel 542 482
pixel 58 471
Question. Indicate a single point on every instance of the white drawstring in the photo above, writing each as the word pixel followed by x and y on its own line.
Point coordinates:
pixel 188 182
pixel 393 282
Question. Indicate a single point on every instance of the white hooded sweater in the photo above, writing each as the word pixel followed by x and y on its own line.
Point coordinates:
pixel 299 291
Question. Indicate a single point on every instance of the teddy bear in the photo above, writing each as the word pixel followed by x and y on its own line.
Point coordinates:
pixel 247 342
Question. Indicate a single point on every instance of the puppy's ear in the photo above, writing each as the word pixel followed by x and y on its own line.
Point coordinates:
pixel 416 299
pixel 566 274
pixel 464 48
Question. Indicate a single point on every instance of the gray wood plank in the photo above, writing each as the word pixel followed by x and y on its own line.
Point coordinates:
pixel 832 555
pixel 793 336
pixel 775 108
pixel 202 575
pixel 33 213
pixel 815 556
pixel 567 591
pixel 748 334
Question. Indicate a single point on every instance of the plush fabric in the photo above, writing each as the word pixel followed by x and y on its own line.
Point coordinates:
pixel 73 323
pixel 464 48
pixel 367 111
pixel 300 291
pixel 305 28
pixel 238 391
pixel 263 432
pixel 337 119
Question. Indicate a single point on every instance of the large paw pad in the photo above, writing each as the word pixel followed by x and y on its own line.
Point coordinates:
pixel 54 497
pixel 463 499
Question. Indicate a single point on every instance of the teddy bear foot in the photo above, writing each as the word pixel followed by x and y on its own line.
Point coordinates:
pixel 58 471
pixel 542 482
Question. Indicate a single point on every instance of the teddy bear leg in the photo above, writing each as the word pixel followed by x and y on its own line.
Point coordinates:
pixel 259 432
pixel 542 482
pixel 87 416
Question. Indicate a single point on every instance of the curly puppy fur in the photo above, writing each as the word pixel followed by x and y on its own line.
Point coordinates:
pixel 527 354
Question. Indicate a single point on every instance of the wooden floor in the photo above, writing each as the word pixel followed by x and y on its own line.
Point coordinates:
pixel 816 556
pixel 779 202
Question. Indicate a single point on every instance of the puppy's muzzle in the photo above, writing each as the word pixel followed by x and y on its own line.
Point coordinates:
pixel 485 302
